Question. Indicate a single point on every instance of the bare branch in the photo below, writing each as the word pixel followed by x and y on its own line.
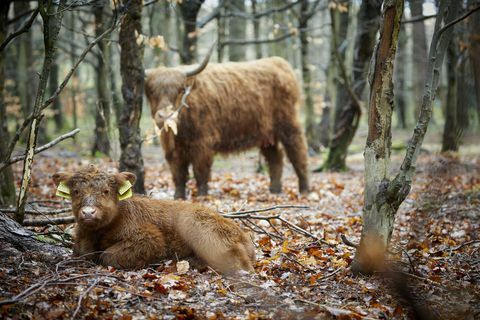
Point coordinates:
pixel 244 42
pixel 419 18
pixel 40 149
pixel 24 28
pixel 46 222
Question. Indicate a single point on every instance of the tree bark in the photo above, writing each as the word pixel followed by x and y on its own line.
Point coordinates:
pixel 131 67
pixel 236 30
pixel 450 140
pixel 419 55
pixel 256 30
pixel 474 50
pixel 347 114
pixel 378 214
pixel 7 183
pixel 189 10
pixel 52 86
pixel 310 124
pixel 221 23
pixel 383 196
pixel 399 76
pixel 102 110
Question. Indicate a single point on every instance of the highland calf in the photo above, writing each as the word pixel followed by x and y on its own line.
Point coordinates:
pixel 115 229
pixel 232 107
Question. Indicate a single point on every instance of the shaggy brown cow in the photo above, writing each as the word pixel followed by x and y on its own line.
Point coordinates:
pixel 138 231
pixel 232 107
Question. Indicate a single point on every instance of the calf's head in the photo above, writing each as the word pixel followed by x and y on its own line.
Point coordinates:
pixel 94 194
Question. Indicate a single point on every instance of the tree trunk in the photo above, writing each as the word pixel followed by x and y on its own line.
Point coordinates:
pixel 73 86
pixel 450 140
pixel 131 67
pixel 221 23
pixel 419 55
pixel 347 114
pixel 189 10
pixel 383 196
pixel 236 30
pixel 52 86
pixel 102 110
pixel 7 183
pixel 256 30
pixel 378 214
pixel 399 76
pixel 310 124
pixel 474 50
pixel 13 238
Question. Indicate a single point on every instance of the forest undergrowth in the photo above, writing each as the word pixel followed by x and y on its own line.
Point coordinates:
pixel 302 269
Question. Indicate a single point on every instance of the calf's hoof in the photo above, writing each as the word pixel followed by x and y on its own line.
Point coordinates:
pixel 179 194
pixel 275 188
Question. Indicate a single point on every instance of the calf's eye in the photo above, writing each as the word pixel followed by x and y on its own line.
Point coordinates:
pixel 106 192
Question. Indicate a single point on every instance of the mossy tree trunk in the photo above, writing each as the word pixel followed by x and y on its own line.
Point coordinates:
pixel 7 184
pixel 102 107
pixel 347 110
pixel 384 195
pixel 132 71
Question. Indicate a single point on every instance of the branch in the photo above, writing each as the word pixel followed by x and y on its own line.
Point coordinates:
pixel 419 18
pixel 264 210
pixel 46 222
pixel 258 41
pixel 40 149
pixel 260 14
pixel 38 212
pixel 213 15
pixel 24 28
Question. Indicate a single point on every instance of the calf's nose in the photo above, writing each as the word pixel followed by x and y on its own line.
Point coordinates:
pixel 88 212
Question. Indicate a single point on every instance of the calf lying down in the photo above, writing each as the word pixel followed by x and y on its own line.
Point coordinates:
pixel 117 229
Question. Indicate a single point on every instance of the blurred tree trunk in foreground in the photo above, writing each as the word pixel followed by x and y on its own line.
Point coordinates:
pixel 348 112
pixel 7 183
pixel 236 30
pixel 102 107
pixel 189 10
pixel 131 67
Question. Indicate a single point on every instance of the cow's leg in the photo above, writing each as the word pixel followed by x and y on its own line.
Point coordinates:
pixel 296 149
pixel 179 169
pixel 202 163
pixel 274 157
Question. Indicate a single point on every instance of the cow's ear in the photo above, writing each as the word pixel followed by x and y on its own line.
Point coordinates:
pixel 61 180
pixel 125 182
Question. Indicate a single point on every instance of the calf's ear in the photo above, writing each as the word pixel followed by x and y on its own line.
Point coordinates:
pixel 125 182
pixel 60 180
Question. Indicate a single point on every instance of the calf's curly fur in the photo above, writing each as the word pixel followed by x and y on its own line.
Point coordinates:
pixel 138 231
pixel 232 107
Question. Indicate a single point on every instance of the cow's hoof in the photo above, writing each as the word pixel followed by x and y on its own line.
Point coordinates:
pixel 275 188
pixel 179 195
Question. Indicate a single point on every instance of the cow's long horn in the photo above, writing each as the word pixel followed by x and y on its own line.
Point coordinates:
pixel 202 65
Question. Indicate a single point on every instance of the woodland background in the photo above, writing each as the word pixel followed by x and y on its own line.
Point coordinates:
pixel 52 86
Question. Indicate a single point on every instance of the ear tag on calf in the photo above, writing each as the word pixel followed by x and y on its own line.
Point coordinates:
pixel 125 190
pixel 63 191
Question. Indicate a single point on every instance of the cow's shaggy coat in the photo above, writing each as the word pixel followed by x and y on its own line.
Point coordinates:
pixel 233 107
pixel 139 231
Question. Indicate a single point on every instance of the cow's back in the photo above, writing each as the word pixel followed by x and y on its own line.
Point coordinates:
pixel 236 106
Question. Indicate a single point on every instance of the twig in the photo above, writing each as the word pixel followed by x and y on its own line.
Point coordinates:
pixel 44 222
pixel 419 18
pixel 37 212
pixel 40 149
pixel 297 262
pixel 331 274
pixel 329 309
pixel 258 41
pixel 287 206
pixel 82 296
pixel 24 28
pixel 455 248
pixel 348 242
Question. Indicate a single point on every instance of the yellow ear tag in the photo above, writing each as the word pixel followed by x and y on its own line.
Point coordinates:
pixel 125 191
pixel 63 191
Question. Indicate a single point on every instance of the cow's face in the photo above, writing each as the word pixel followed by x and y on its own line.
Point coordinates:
pixel 164 88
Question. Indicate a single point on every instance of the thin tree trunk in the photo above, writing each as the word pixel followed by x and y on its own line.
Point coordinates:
pixel 236 30
pixel 474 50
pixel 7 183
pixel 102 112
pixel 221 23
pixel 419 55
pixel 189 10
pixel 451 129
pixel 256 30
pixel 347 114
pixel 73 86
pixel 310 124
pixel 399 76
pixel 131 66
pixel 52 86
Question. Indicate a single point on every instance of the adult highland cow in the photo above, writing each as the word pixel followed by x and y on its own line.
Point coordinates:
pixel 226 108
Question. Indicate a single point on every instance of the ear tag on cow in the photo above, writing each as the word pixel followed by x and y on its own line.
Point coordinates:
pixel 63 191
pixel 125 190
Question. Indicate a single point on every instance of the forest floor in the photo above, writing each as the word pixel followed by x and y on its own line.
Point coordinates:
pixel 435 251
